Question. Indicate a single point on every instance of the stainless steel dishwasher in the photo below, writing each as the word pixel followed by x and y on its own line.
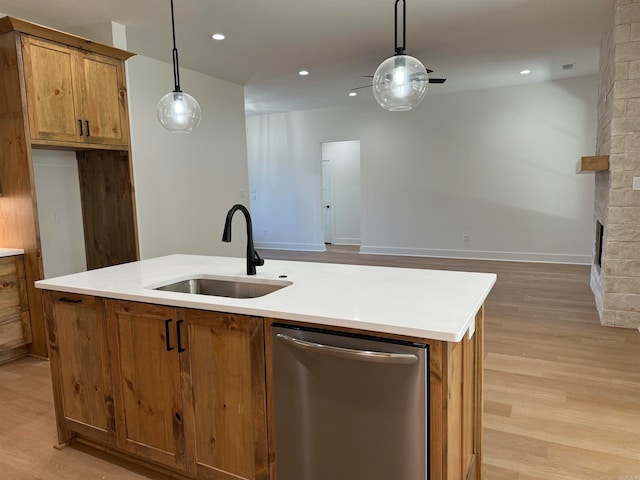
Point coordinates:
pixel 349 407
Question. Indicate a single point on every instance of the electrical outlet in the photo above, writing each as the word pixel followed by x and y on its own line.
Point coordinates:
pixel 55 216
pixel 636 183
pixel 466 237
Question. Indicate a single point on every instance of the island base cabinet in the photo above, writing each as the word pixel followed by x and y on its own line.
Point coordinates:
pixel 190 389
pixel 79 360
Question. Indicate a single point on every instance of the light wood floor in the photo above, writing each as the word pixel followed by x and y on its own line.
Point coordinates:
pixel 562 393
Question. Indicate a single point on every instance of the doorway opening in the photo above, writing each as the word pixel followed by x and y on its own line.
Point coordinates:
pixel 341 192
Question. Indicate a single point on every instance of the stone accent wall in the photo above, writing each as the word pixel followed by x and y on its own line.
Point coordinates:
pixel 616 284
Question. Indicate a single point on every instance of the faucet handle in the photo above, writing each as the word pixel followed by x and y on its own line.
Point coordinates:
pixel 257 261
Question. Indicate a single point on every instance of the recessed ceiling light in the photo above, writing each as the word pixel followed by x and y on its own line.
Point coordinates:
pixel 525 72
pixel 303 73
pixel 217 36
pixel 352 94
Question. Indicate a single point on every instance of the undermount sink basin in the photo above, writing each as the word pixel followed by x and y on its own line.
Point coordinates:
pixel 224 287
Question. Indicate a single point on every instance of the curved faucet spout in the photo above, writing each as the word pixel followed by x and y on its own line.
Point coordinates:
pixel 253 259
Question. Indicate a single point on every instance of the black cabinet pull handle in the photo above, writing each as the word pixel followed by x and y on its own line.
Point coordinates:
pixel 166 333
pixel 80 123
pixel 178 330
pixel 70 300
pixel 88 131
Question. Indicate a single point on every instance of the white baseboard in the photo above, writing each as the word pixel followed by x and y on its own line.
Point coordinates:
pixel 479 255
pixel 303 247
pixel 346 241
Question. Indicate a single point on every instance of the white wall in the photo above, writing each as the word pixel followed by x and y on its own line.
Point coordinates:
pixel 344 161
pixel 495 164
pixel 186 183
pixel 59 212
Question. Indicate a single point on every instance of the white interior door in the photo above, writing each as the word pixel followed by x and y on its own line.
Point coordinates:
pixel 341 192
pixel 327 201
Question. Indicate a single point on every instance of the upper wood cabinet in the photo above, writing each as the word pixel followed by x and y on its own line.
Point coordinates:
pixel 74 95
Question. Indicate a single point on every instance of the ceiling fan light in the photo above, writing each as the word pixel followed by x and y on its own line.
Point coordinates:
pixel 179 112
pixel 400 83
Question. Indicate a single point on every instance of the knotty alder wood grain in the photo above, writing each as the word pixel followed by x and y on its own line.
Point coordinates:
pixel 561 392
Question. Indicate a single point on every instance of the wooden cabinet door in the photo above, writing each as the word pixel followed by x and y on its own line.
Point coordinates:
pixel 53 102
pixel 104 104
pixel 146 371
pixel 224 371
pixel 82 385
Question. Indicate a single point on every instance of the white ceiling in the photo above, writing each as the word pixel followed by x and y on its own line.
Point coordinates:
pixel 473 43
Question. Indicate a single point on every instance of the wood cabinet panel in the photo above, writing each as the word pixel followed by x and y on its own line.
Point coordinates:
pixel 53 102
pixel 149 409
pixel 108 208
pixel 83 391
pixel 104 99
pixel 225 365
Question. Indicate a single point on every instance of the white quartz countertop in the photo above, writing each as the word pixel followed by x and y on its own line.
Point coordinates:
pixel 8 252
pixel 429 304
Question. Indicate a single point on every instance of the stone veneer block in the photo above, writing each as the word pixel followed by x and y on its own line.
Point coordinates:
pixel 623 233
pixel 622 301
pixel 626 319
pixel 624 215
pixel 622 71
pixel 627 89
pixel 625 125
pixel 622 33
pixel 634 32
pixel 623 285
pixel 632 143
pixel 624 198
pixel 627 52
pixel 634 69
pixel 622 268
pixel 628 13
pixel 632 106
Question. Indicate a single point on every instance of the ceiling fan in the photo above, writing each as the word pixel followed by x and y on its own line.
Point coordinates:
pixel 431 80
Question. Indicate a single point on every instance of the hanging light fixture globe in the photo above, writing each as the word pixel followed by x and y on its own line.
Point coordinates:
pixel 400 83
pixel 178 111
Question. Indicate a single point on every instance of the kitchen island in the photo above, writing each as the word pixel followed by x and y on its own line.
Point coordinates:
pixel 183 381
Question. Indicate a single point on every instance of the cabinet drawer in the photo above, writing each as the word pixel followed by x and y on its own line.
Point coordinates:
pixel 11 267
pixel 13 294
pixel 11 334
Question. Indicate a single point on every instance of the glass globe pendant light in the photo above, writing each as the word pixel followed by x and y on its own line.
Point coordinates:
pixel 178 111
pixel 400 82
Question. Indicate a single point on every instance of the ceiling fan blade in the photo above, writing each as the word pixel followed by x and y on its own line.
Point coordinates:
pixel 358 88
pixel 367 76
pixel 437 80
pixel 429 71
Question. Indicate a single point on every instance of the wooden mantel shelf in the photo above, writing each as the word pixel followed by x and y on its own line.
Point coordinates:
pixel 593 164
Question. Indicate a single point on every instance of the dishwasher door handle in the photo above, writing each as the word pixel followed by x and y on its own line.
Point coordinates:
pixel 349 353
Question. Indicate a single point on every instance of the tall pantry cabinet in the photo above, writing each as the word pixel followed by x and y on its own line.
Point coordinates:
pixel 59 91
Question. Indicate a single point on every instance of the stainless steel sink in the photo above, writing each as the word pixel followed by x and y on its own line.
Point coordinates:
pixel 233 288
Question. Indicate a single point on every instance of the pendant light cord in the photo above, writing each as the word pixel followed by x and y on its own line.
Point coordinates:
pixel 176 70
pixel 399 50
